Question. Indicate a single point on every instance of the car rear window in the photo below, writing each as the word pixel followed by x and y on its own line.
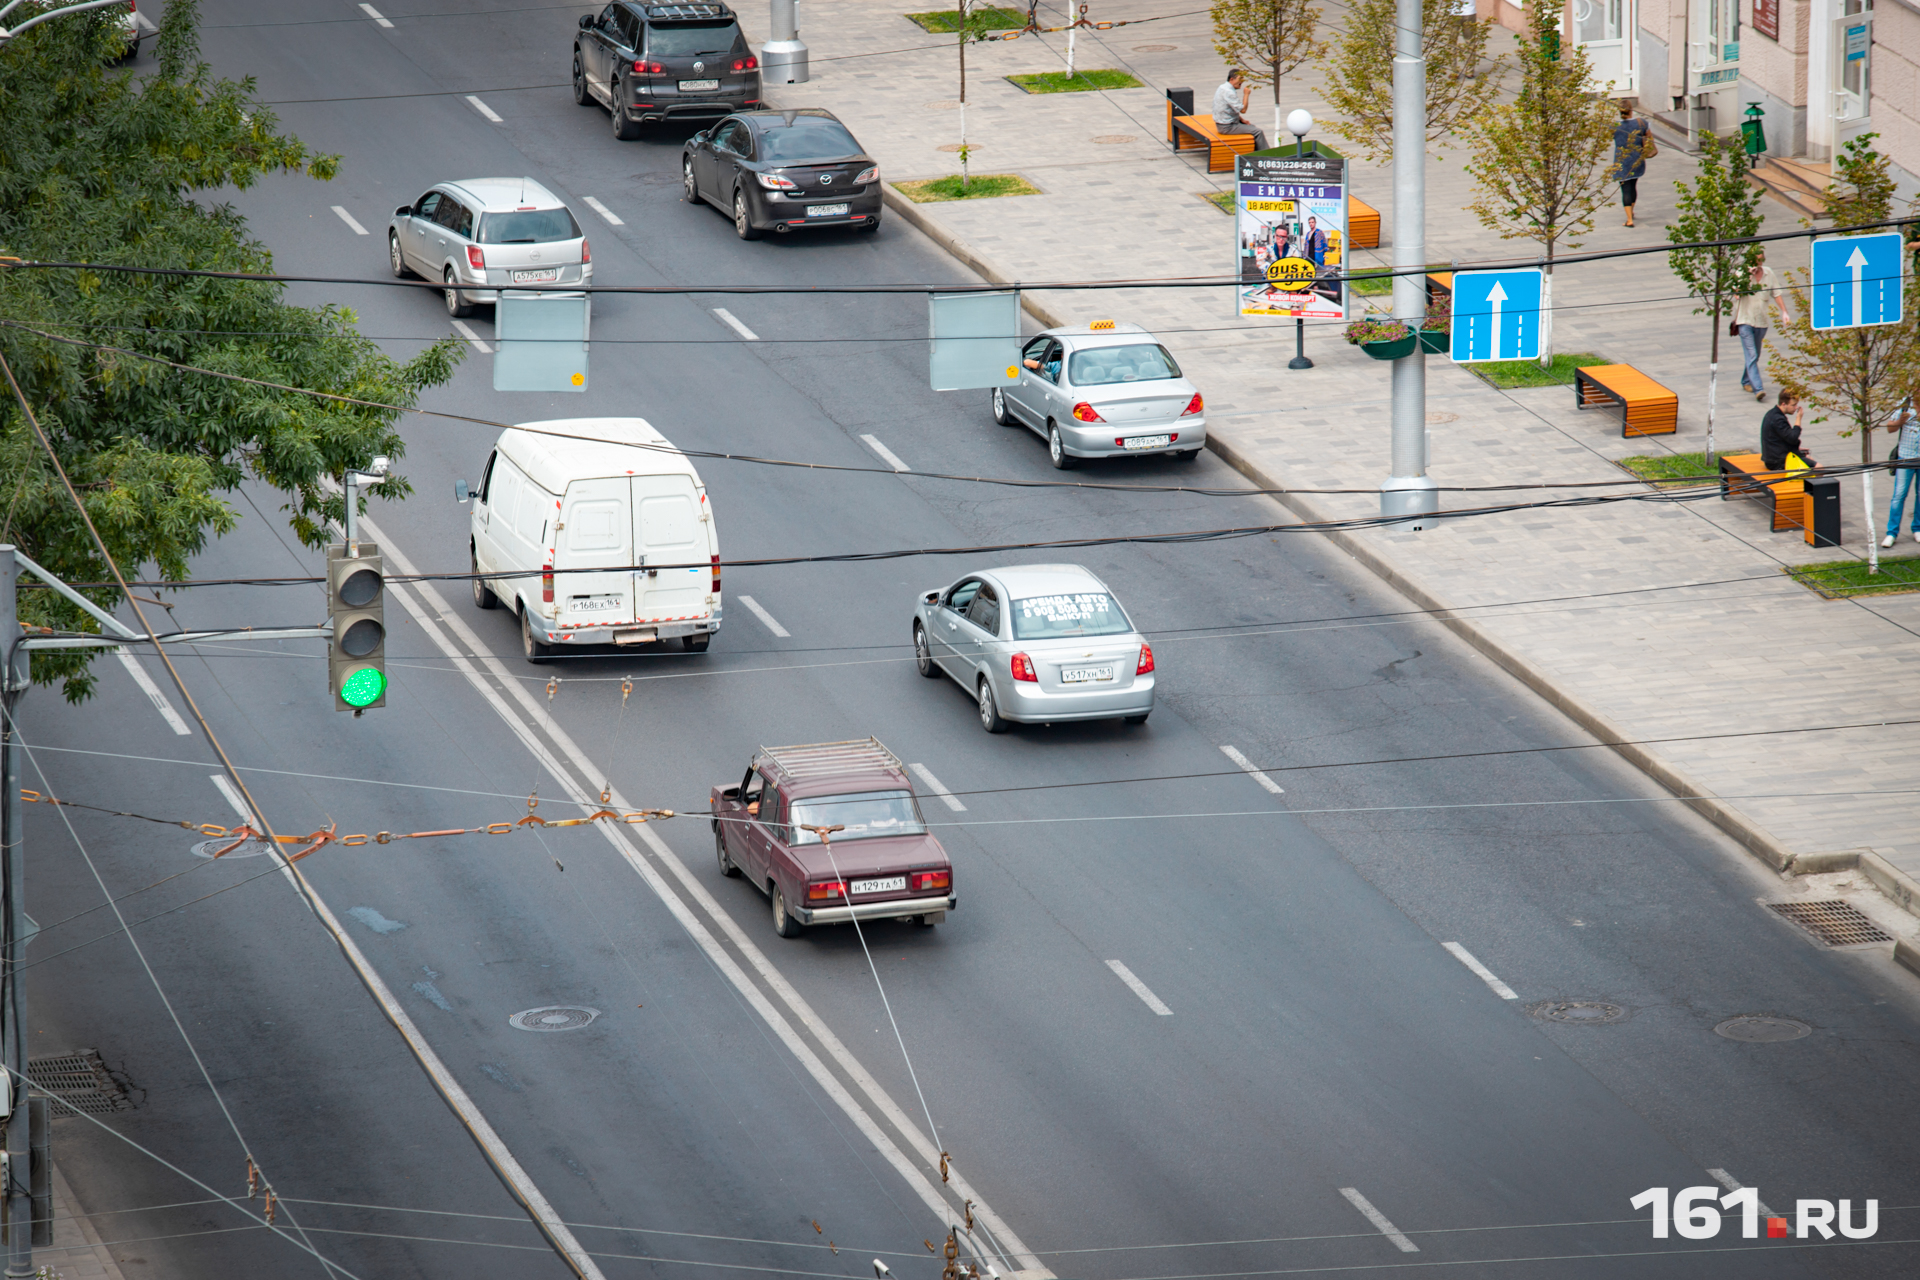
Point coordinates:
pixel 1083 613
pixel 1142 362
pixel 807 138
pixel 689 39
pixel 528 226
pixel 864 816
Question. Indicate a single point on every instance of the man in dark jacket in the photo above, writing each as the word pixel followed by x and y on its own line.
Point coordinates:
pixel 1780 433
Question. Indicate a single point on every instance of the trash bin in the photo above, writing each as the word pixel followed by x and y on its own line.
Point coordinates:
pixel 1823 512
pixel 1754 129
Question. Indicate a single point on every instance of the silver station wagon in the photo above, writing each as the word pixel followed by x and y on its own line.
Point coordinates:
pixel 1099 390
pixel 1036 643
pixel 488 232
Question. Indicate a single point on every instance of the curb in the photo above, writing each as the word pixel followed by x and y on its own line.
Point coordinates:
pixel 1901 888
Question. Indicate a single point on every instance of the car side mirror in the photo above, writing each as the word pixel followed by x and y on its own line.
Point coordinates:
pixel 731 793
pixel 932 597
pixel 460 493
pixel 586 21
pixel 404 211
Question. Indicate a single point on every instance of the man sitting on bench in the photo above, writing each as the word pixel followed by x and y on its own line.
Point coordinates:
pixel 1780 435
pixel 1230 105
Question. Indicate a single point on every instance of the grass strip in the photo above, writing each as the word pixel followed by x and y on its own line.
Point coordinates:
pixel 1374 284
pixel 1670 470
pixel 1078 82
pixel 947 21
pixel 1848 579
pixel 1221 200
pixel 979 186
pixel 1529 373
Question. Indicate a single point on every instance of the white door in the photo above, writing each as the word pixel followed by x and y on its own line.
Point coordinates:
pixel 1604 28
pixel 667 531
pixel 1852 94
pixel 596 529
pixel 1713 50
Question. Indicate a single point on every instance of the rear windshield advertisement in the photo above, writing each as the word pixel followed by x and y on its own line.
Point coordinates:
pixel 1290 235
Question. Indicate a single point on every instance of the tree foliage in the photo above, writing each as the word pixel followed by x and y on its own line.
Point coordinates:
pixel 1360 77
pixel 1267 39
pixel 1719 204
pixel 103 166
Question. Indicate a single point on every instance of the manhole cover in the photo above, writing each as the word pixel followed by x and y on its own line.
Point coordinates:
pixel 1579 1011
pixel 1836 923
pixel 82 1081
pixel 1155 48
pixel 1436 418
pixel 1762 1029
pixel 557 1017
pixel 1114 139
pixel 251 847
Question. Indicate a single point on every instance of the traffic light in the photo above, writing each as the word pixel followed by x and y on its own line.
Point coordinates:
pixel 356 660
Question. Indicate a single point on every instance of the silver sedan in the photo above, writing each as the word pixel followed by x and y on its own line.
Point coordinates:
pixel 1100 390
pixel 1036 643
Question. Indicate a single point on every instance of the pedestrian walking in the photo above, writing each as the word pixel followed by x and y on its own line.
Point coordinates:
pixel 1906 478
pixel 1230 108
pixel 1751 314
pixel 1633 146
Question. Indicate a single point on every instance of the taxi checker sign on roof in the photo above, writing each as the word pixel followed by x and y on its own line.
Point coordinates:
pixel 1290 231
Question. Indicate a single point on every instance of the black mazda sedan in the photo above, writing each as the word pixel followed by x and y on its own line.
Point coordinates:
pixel 778 170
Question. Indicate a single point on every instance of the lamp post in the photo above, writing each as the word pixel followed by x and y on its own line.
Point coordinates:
pixel 1299 121
pixel 1408 490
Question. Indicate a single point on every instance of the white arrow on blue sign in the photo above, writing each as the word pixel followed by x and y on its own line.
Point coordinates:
pixel 1856 281
pixel 1496 315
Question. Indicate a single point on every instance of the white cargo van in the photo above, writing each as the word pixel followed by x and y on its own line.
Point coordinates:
pixel 610 494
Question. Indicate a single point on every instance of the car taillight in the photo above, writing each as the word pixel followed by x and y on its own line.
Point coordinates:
pixel 476 258
pixel 1194 405
pixel 746 64
pixel 869 174
pixel 546 584
pixel 649 68
pixel 826 890
pixel 1145 665
pixel 1023 668
pixel 774 182
pixel 586 251
pixel 716 575
pixel 925 880
pixel 1085 412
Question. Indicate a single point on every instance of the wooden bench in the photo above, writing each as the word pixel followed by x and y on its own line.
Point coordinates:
pixel 1193 132
pixel 1741 475
pixel 1363 224
pixel 1646 407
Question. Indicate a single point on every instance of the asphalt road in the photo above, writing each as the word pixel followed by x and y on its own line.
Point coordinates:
pixel 736 1089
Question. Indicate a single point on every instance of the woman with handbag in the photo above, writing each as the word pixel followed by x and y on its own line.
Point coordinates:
pixel 1751 312
pixel 1633 146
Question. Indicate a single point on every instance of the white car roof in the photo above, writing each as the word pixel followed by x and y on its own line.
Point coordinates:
pixel 606 447
pixel 501 195
pixel 1023 580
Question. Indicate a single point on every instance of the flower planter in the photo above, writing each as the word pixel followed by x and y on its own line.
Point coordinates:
pixel 1395 349
pixel 1436 341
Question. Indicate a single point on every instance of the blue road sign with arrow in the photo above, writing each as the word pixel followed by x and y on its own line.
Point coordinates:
pixel 1856 281
pixel 1496 315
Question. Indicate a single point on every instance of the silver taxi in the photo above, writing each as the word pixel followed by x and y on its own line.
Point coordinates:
pixel 1101 390
pixel 488 231
pixel 1036 643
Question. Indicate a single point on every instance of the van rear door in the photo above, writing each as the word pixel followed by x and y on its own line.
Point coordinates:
pixel 597 531
pixel 667 531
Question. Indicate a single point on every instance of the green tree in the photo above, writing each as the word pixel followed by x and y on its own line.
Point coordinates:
pixel 100 166
pixel 1719 204
pixel 1538 160
pixel 1267 39
pixel 1861 376
pixel 1360 77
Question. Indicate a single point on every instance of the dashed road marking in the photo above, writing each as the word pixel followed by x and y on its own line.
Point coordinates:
pixel 1233 754
pixel 1732 1183
pixel 1140 989
pixel 152 690
pixel 472 337
pixel 1379 1220
pixel 753 607
pixel 484 109
pixel 375 14
pixel 350 220
pixel 732 322
pixel 612 217
pixel 886 455
pixel 1481 971
pixel 232 795
pixel 938 788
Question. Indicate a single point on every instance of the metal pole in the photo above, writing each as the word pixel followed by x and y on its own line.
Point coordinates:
pixel 13 682
pixel 1299 360
pixel 1407 491
pixel 351 524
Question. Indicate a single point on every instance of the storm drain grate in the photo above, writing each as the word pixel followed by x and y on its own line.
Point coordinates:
pixel 80 1080
pixel 1836 923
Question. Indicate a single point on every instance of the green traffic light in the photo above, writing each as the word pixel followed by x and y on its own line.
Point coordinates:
pixel 364 687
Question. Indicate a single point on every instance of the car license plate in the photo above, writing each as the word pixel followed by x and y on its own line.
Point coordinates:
pixel 1084 675
pixel 594 604
pixel 1148 442
pixel 699 86
pixel 885 884
pixel 536 277
pixel 826 211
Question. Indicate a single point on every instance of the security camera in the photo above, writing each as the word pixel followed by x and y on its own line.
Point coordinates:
pixel 880 1269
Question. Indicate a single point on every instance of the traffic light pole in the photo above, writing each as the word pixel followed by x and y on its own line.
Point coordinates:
pixel 18 1192
pixel 1408 491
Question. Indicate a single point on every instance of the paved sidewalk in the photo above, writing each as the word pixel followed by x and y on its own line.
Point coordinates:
pixel 1754 653
pixel 77 1252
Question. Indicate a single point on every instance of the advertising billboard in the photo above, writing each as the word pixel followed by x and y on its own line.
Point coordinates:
pixel 1290 235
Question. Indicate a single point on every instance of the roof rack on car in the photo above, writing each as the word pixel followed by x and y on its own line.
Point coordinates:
pixel 828 759
pixel 669 12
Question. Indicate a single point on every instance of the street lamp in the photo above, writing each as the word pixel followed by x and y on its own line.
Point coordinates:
pixel 1299 121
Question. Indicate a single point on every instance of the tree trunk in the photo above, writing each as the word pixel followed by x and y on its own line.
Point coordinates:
pixel 1713 376
pixel 1546 312
pixel 962 4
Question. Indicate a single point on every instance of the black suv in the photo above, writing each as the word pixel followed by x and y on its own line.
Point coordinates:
pixel 651 62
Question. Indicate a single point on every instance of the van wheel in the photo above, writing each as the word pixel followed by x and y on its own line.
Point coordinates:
pixel 720 851
pixel 698 642
pixel 534 650
pixel 483 597
pixel 783 924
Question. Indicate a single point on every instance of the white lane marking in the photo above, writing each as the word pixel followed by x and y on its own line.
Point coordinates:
pixel 886 455
pixel 152 690
pixel 1481 971
pixel 938 788
pixel 612 217
pixel 142 21
pixel 732 322
pixel 1140 989
pixel 1379 1220
pixel 484 109
pixel 1233 754
pixel 532 713
pixel 753 607
pixel 1732 1183
pixel 467 333
pixel 350 221
pixel 374 13
pixel 232 795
